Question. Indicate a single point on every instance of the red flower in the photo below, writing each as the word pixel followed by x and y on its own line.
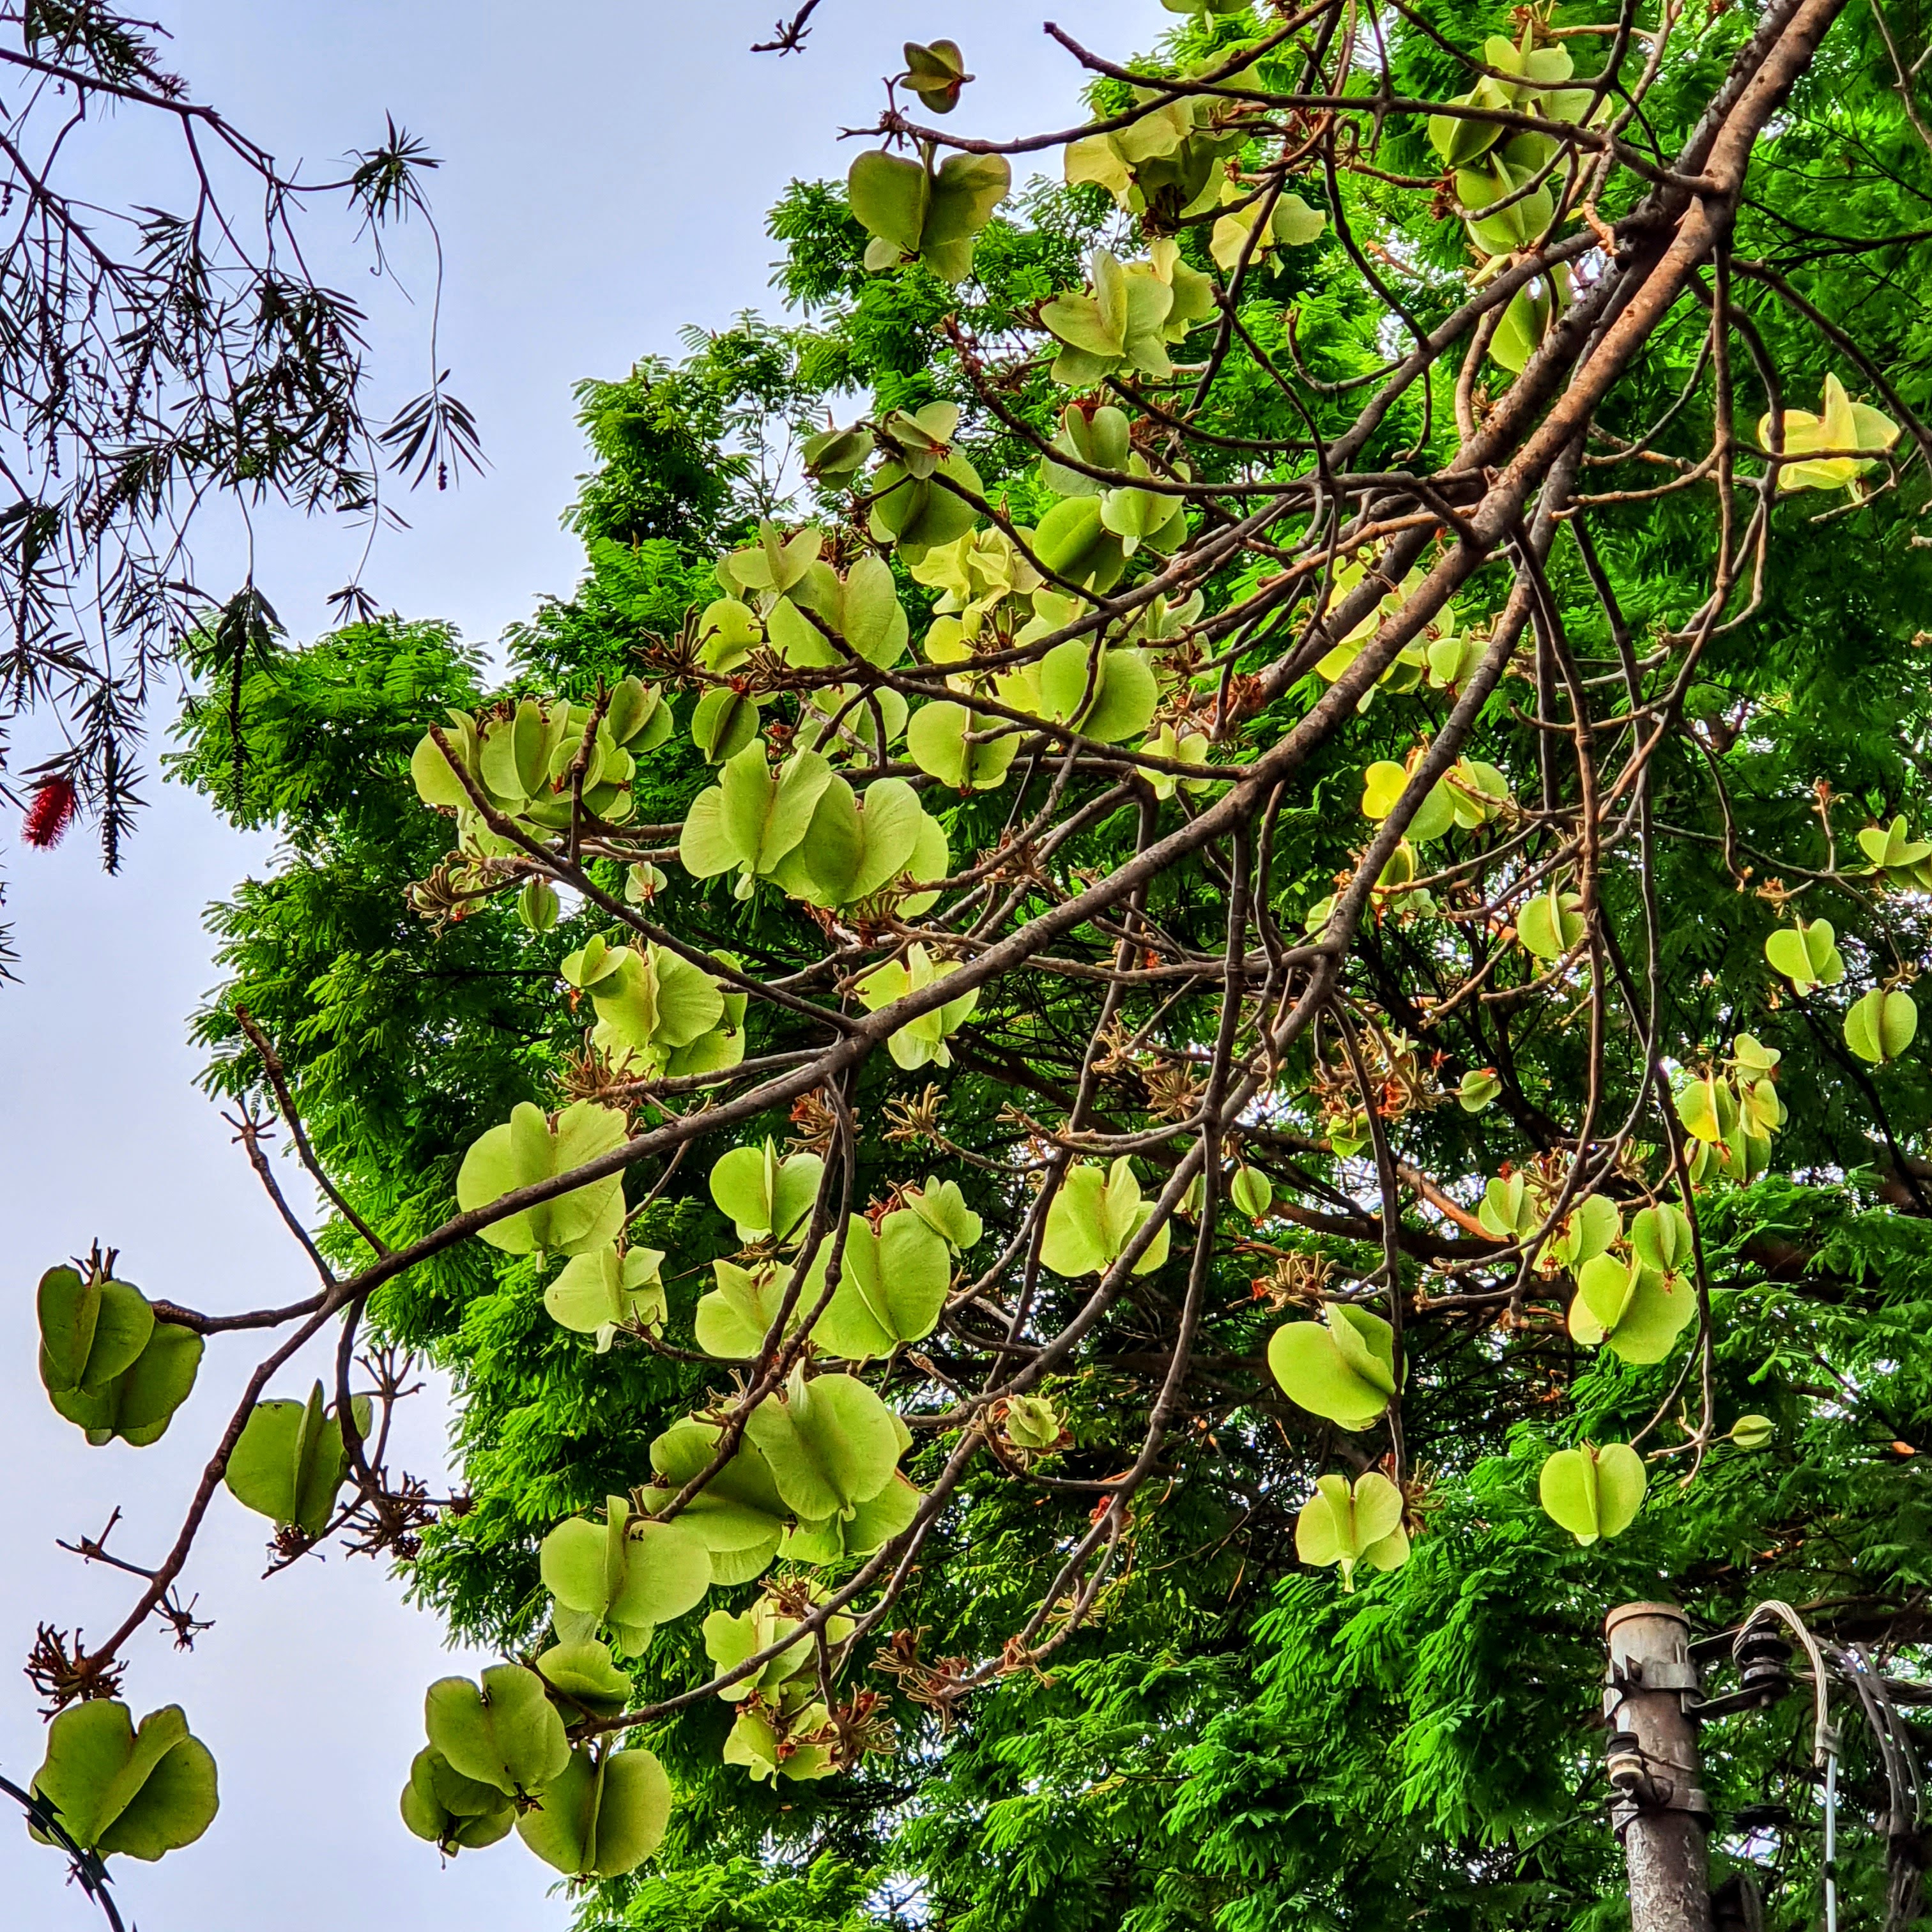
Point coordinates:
pixel 49 812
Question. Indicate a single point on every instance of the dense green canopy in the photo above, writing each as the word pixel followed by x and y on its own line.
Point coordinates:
pixel 1346 706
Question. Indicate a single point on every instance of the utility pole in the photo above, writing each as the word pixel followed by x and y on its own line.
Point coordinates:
pixel 1657 1809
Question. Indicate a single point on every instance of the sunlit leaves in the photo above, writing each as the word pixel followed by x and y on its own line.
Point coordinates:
pixel 765 1196
pixel 1806 954
pixel 739 1512
pixel 1550 925
pixel 1251 232
pixel 919 1042
pixel 967 750
pixel 855 848
pixel 1341 1368
pixel 754 817
pixel 582 1675
pixel 627 1575
pixel 606 1289
pixel 1122 324
pixel 1881 1025
pixel 538 763
pixel 1636 1310
pixel 1344 1526
pixel 1842 442
pixel 831 1443
pixel 1094 1215
pixel 1593 1492
pixel 891 1286
pixel 1033 1424
pixel 656 1011
pixel 942 1207
pixel 530 1149
pixel 731 1641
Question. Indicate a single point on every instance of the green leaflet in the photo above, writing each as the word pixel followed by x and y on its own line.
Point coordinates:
pixel 892 1285
pixel 1843 425
pixel 529 1149
pixel 872 1524
pixel 107 1365
pixel 582 1672
pixel 938 739
pixel 942 1207
pixel 730 1640
pixel 290 1459
pixel 454 1813
pixel 1510 1210
pixel 935 73
pixel 735 1317
pixel 90 1330
pixel 145 1792
pixel 1032 1424
pixel 831 1443
pixel 656 1011
pixel 1881 1025
pixel 785 1737
pixel 1340 1525
pixel 754 818
pixel 1592 1224
pixel 1341 1368
pixel 920 1042
pixel 1251 1191
pixel 764 1197
pixel 1806 954
pixel 738 1513
pixel 1291 222
pixel 628 1574
pixel 915 212
pixel 601 1816
pixel 862 611
pixel 921 514
pixel 1093 1217
pixel 854 850
pixel 1120 325
pixel 1636 1310
pixel 1550 925
pixel 604 1289
pixel 1593 1492
pixel 505 1733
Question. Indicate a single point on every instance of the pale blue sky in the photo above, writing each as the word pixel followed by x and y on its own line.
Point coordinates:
pixel 607 169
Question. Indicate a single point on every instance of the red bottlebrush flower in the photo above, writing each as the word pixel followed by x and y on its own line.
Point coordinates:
pixel 49 812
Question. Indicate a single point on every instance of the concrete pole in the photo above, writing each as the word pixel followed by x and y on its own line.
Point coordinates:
pixel 1657 1809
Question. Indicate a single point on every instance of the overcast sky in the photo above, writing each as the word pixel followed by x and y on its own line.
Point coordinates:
pixel 607 168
